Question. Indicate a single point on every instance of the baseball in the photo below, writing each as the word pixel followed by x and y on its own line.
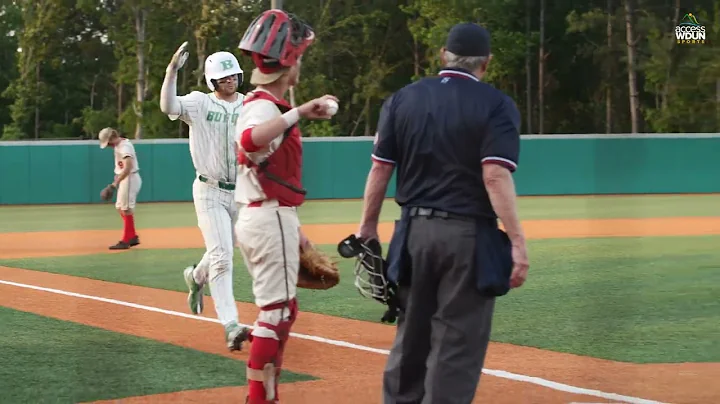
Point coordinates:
pixel 332 107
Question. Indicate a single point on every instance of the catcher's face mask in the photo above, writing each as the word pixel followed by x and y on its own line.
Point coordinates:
pixel 370 268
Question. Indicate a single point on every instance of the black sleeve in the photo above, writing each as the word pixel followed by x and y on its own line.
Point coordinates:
pixel 385 144
pixel 501 144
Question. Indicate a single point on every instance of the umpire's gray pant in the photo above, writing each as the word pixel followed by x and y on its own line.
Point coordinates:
pixel 442 337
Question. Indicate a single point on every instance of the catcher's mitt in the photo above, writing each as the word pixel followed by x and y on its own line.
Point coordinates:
pixel 317 271
pixel 107 193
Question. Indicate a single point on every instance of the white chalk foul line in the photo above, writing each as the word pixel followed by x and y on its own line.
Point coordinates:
pixel 497 373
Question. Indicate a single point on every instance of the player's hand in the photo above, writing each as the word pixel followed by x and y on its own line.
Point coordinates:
pixel 179 58
pixel 367 232
pixel 317 108
pixel 520 264
pixel 304 241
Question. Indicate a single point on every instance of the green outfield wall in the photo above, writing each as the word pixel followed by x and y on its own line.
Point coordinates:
pixel 48 172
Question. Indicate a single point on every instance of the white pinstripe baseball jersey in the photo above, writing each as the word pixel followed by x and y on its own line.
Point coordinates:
pixel 212 133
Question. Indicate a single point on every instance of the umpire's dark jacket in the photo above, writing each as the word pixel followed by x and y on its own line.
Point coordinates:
pixel 438 132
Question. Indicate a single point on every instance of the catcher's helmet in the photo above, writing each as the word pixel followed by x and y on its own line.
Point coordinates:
pixel 219 65
pixel 370 267
pixel 276 39
pixel 371 272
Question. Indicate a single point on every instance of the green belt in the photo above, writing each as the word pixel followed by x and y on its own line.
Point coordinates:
pixel 222 185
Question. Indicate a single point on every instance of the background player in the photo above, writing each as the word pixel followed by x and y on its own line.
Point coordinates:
pixel 211 118
pixel 127 182
pixel 268 228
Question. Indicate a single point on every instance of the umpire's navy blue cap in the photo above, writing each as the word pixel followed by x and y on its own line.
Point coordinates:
pixel 468 39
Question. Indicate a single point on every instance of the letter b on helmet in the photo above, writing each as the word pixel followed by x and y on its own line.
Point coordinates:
pixel 219 65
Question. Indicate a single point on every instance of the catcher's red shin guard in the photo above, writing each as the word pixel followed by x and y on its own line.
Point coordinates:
pixel 266 357
pixel 263 352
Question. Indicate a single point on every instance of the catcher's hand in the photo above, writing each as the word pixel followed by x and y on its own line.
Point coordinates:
pixel 179 58
pixel 107 193
pixel 317 271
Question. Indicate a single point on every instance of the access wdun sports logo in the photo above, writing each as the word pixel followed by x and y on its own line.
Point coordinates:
pixel 689 31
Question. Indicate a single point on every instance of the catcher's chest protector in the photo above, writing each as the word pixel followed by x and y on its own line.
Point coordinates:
pixel 280 174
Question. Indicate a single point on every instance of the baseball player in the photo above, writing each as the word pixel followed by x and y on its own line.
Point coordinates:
pixel 269 189
pixel 211 117
pixel 127 183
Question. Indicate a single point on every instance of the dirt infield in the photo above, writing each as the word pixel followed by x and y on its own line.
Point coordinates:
pixel 62 243
pixel 349 375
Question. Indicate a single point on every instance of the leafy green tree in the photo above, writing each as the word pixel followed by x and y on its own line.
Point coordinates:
pixel 85 64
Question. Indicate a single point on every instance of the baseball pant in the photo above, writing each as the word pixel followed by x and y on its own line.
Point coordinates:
pixel 216 213
pixel 269 239
pixel 127 192
pixel 443 332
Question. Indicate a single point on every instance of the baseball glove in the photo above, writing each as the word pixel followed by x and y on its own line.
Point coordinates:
pixel 317 271
pixel 107 193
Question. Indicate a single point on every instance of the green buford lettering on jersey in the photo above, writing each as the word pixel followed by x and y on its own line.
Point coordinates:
pixel 214 116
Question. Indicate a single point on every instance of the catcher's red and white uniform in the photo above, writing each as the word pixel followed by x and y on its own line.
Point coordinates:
pixel 268 216
pixel 268 191
pixel 268 232
pixel 128 188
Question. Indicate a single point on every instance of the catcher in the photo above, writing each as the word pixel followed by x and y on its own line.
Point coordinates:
pixel 268 191
pixel 127 183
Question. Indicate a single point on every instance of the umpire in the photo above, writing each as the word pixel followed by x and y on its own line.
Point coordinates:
pixel 455 143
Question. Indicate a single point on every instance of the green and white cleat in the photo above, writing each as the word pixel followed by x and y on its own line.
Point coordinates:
pixel 195 295
pixel 235 335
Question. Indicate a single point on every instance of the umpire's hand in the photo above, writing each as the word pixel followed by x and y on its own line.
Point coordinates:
pixel 520 264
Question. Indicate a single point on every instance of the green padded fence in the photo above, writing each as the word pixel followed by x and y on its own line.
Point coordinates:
pixel 47 172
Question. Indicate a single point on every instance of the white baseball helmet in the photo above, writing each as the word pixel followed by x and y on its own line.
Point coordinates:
pixel 219 65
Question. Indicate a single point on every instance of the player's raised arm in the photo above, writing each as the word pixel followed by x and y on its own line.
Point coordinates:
pixel 169 102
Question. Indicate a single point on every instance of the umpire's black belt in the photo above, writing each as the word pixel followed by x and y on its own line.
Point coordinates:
pixel 229 186
pixel 432 212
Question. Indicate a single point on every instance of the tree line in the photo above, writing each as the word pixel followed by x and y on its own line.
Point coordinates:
pixel 71 67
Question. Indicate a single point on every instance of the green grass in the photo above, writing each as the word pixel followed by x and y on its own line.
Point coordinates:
pixel 162 269
pixel 623 206
pixel 155 215
pixel 48 360
pixel 626 299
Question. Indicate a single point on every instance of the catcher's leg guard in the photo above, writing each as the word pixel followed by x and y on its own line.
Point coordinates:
pixel 271 332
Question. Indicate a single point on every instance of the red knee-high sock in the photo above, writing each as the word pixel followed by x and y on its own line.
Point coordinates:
pixel 262 351
pixel 269 350
pixel 122 216
pixel 129 228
